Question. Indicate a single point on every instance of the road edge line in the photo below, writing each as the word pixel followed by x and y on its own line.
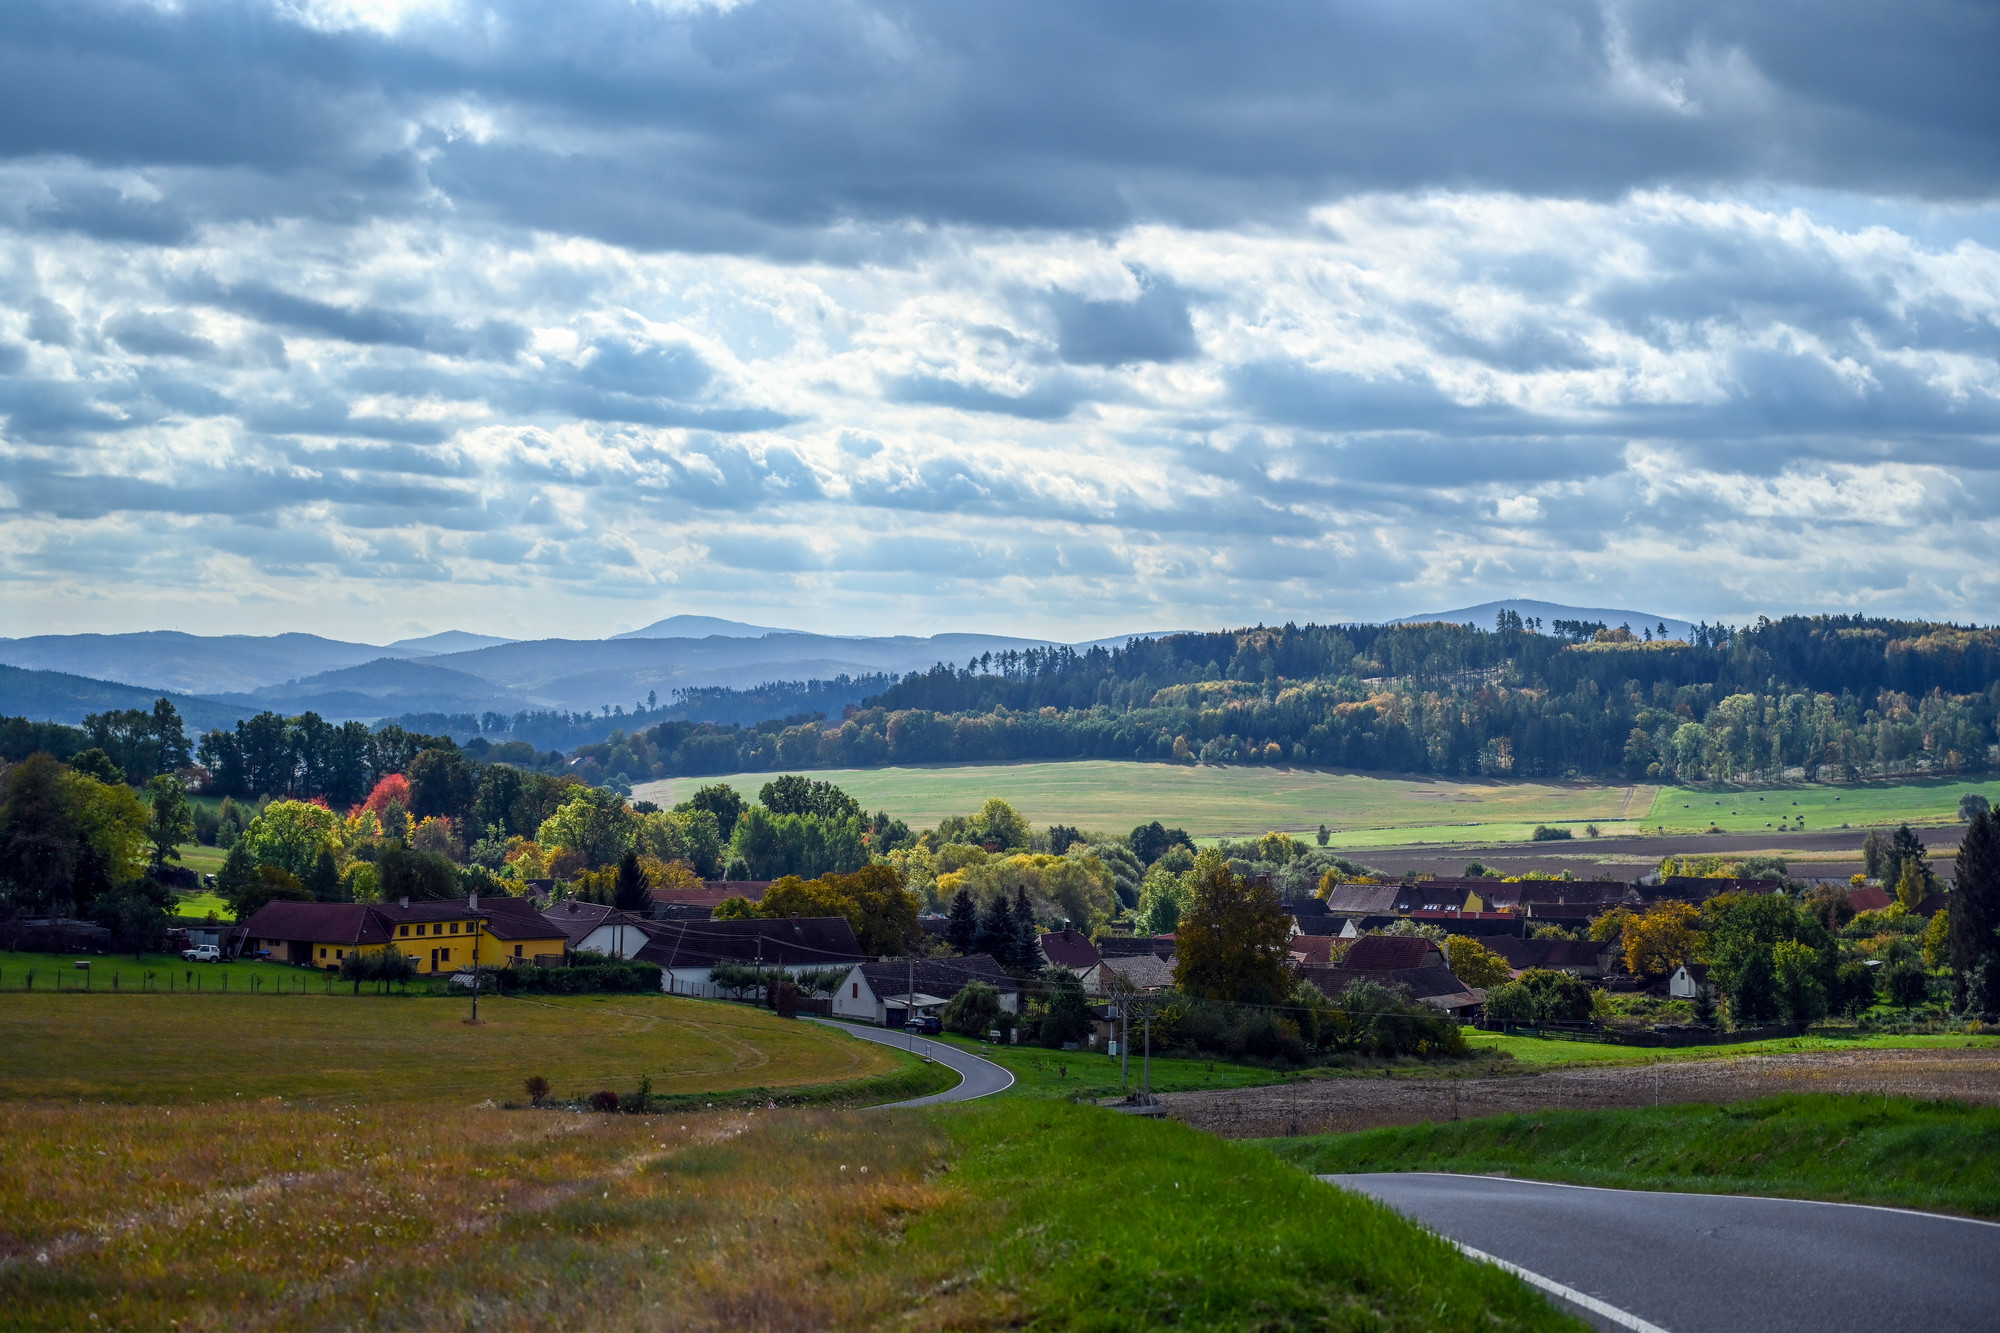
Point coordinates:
pixel 1711 1194
pixel 1583 1300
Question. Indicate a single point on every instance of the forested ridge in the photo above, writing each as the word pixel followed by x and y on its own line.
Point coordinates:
pixel 1827 697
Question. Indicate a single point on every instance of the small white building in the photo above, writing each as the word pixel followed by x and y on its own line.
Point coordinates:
pixel 1690 981
pixel 880 992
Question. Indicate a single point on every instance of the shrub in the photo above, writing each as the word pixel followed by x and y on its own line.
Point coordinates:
pixel 974 1011
pixel 586 975
pixel 1066 1016
pixel 605 1100
pixel 1543 833
pixel 385 964
pixel 537 1089
pixel 1373 1019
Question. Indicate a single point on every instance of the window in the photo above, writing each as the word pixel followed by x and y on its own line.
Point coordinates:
pixel 454 927
pixel 337 953
pixel 857 990
pixel 517 951
pixel 406 930
pixel 444 955
pixel 322 953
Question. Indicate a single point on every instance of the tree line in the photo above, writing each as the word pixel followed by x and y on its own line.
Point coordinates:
pixel 1830 697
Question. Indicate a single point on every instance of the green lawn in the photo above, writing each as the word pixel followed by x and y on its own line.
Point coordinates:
pixel 316 1047
pixel 1755 809
pixel 1549 1052
pixel 1935 1155
pixel 1111 796
pixel 202 860
pixel 1087 1075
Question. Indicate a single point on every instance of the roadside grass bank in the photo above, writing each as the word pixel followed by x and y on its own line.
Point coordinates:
pixel 176 1049
pixel 991 1215
pixel 1934 1155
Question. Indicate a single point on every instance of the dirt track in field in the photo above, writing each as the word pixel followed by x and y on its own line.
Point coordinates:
pixel 1341 1105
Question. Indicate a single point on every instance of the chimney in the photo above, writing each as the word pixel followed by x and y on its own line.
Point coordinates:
pixel 406 900
pixel 472 901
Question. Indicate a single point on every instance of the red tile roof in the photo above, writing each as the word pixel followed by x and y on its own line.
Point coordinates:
pixel 357 924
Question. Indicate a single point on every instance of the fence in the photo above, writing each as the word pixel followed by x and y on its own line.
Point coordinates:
pixel 199 980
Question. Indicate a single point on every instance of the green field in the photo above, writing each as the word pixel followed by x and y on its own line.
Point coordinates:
pixel 1111 796
pixel 1856 805
pixel 1936 1155
pixel 341 1047
pixel 1554 1053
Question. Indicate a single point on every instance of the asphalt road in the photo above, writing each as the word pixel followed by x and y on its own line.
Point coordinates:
pixel 1718 1263
pixel 976 1077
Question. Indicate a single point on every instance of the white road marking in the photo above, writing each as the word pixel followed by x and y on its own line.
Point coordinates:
pixel 1578 1298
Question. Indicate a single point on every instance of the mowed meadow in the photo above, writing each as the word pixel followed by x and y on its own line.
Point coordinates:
pixel 321 1049
pixel 1207 800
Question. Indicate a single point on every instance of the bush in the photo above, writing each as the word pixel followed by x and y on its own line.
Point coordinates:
pixel 1543 833
pixel 1235 1033
pixel 537 1089
pixel 1372 1019
pixel 1066 1015
pixel 582 977
pixel 605 1100
pixel 385 964
pixel 974 1011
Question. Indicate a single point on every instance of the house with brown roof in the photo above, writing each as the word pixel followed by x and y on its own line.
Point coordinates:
pixel 687 952
pixel 443 935
pixel 1130 972
pixel 1409 962
pixel 701 902
pixel 1589 959
pixel 576 920
pixel 885 992
pixel 1070 949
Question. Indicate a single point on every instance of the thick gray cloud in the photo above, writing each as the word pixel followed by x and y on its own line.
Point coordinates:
pixel 1052 316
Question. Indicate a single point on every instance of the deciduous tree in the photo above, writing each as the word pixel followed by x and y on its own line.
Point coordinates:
pixel 1231 943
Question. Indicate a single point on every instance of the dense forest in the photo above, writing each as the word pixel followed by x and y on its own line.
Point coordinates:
pixel 1824 697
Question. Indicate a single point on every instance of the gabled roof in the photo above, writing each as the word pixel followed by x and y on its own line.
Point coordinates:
pixel 506 918
pixel 1423 983
pixel 1131 946
pixel 1392 953
pixel 357 924
pixel 1312 948
pixel 1362 898
pixel 1142 971
pixel 796 941
pixel 1583 955
pixel 574 920
pixel 1869 899
pixel 942 977
pixel 1070 949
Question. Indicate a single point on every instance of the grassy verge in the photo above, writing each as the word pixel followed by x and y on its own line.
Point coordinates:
pixel 177 1049
pixel 1006 1214
pixel 1943 1156
pixel 1530 1052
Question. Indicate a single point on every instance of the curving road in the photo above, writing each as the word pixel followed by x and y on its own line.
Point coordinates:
pixel 976 1077
pixel 1710 1263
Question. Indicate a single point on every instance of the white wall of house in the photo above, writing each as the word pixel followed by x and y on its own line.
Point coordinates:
pixel 1682 985
pixel 695 980
pixel 614 940
pixel 857 1000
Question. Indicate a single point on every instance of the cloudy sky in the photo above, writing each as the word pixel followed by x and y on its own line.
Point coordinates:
pixel 373 317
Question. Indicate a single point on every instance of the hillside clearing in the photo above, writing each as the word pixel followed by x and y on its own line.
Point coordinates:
pixel 1207 800
pixel 1822 806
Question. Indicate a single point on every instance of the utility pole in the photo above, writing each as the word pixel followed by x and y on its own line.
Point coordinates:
pixel 1148 1089
pixel 910 1000
pixel 1124 1043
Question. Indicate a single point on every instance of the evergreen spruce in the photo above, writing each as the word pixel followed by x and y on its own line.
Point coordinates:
pixel 962 926
pixel 1026 954
pixel 1975 906
pixel 996 931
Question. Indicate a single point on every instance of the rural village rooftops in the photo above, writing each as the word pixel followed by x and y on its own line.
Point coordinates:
pixel 938 977
pixel 796 941
pixel 357 924
pixel 1392 953
pixel 575 920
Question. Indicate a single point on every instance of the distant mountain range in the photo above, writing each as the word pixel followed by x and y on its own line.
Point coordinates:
pixel 60 677
pixel 1484 614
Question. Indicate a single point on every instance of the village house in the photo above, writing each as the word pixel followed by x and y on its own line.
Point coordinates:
pixel 1411 962
pixel 444 935
pixel 884 992
pixel 688 952
pixel 1070 950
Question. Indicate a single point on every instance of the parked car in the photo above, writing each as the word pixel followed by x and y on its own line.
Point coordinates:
pixel 203 953
pixel 928 1025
